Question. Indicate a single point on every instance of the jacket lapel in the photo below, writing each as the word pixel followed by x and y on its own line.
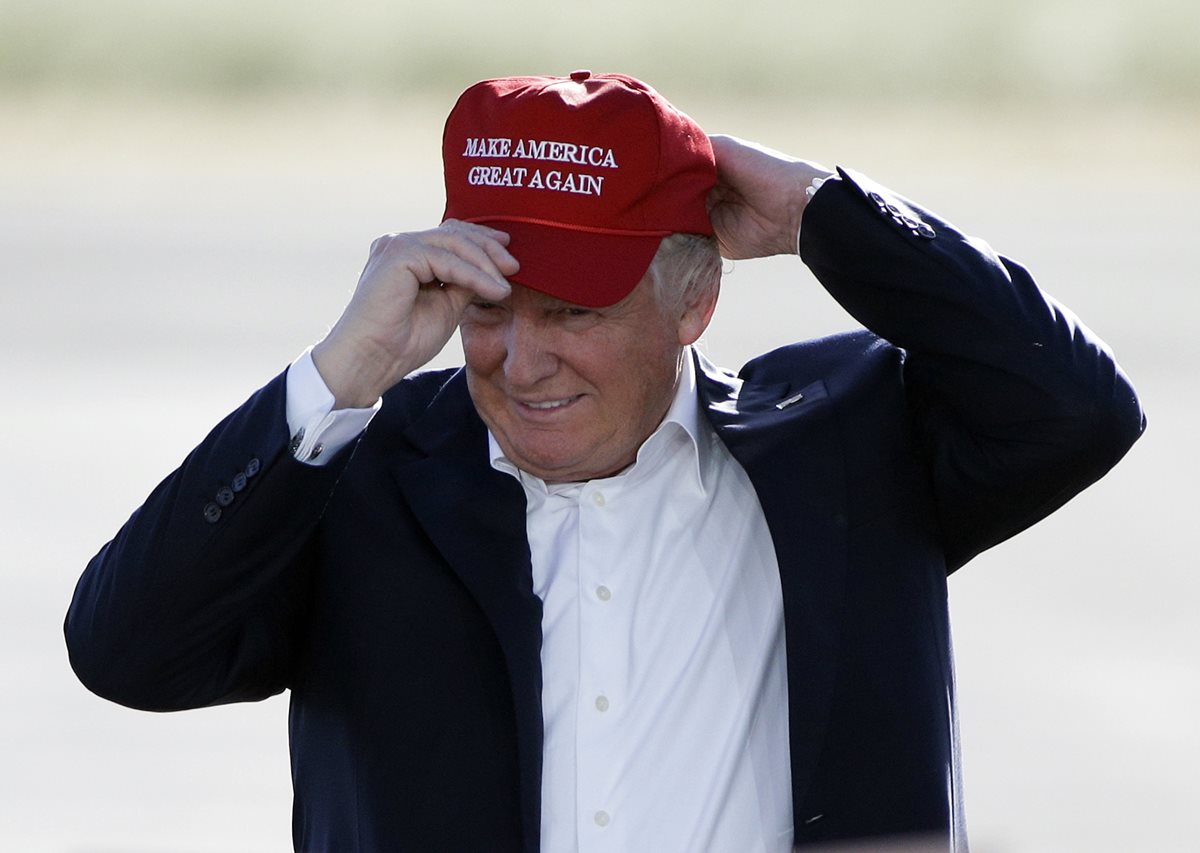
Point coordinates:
pixel 785 437
pixel 475 516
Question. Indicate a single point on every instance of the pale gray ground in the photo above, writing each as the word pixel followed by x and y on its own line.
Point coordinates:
pixel 158 265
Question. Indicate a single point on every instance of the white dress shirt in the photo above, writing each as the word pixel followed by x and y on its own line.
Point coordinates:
pixel 664 695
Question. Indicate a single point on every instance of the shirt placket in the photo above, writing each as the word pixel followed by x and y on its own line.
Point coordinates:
pixel 603 640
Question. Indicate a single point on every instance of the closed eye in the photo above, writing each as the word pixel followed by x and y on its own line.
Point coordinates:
pixel 483 312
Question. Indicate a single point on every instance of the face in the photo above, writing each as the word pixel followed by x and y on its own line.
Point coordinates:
pixel 570 393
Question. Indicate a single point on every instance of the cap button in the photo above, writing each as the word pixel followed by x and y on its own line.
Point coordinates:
pixel 580 76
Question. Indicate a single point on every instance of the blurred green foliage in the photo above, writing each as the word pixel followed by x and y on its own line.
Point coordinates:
pixel 1040 50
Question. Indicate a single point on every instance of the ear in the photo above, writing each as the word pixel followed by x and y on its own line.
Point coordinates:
pixel 697 313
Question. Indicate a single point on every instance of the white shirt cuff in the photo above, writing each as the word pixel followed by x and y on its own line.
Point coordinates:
pixel 809 192
pixel 318 430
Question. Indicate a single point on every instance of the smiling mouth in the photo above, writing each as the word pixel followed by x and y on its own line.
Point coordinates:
pixel 548 405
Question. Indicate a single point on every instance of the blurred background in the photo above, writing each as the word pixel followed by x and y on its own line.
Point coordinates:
pixel 187 194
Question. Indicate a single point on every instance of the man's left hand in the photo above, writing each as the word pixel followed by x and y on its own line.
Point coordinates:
pixel 759 198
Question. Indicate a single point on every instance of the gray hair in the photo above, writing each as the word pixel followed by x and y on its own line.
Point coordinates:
pixel 685 267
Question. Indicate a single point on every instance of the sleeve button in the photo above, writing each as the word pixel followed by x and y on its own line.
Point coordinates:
pixel 253 466
pixel 239 481
pixel 212 513
pixel 224 496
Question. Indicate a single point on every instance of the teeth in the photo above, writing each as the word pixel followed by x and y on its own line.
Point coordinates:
pixel 551 404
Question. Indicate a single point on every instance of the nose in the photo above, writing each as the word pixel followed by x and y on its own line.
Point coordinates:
pixel 530 354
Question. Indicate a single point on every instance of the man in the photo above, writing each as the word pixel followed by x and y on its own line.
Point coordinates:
pixel 592 591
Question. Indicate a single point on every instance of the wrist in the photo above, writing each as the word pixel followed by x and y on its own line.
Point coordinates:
pixel 349 376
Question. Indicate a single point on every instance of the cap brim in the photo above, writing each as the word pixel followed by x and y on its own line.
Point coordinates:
pixel 582 267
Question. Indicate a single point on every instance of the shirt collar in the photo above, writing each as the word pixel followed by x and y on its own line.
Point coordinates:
pixel 682 422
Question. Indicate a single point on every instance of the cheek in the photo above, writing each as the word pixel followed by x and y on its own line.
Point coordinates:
pixel 483 349
pixel 641 386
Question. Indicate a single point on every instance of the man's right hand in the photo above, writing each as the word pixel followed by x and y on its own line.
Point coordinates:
pixel 407 304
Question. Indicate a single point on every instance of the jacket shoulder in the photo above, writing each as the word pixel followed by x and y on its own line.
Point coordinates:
pixel 826 358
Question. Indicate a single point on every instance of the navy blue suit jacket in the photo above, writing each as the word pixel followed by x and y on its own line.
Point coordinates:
pixel 391 592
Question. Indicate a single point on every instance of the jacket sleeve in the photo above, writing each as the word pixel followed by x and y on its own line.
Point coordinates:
pixel 1017 405
pixel 199 597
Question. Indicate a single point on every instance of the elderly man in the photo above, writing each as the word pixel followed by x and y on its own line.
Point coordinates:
pixel 590 591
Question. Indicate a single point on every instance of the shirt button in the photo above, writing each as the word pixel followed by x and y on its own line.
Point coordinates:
pixel 601 703
pixel 601 819
pixel 598 498
pixel 603 593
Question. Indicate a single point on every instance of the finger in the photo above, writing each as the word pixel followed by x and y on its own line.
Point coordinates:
pixel 461 253
pixel 721 195
pixel 501 237
pixel 726 151
pixel 502 258
pixel 462 268
pixel 497 252
pixel 476 246
pixel 493 241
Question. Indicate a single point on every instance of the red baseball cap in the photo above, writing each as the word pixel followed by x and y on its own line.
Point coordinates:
pixel 586 173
